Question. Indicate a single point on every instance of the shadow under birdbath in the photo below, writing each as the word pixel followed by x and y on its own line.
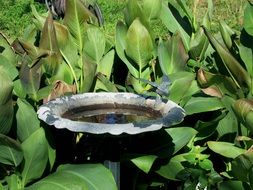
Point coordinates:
pixel 110 113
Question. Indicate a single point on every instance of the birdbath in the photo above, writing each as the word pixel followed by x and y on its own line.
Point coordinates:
pixel 115 114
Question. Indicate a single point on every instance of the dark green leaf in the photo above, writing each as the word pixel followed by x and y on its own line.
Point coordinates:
pixel 236 71
pixel 11 151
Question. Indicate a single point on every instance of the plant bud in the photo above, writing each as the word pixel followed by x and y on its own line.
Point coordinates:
pixel 243 109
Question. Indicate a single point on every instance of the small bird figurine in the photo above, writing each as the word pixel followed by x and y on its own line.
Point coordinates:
pixel 58 7
pixel 161 89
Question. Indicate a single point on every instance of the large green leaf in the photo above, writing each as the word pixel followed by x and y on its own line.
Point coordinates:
pixel 30 78
pixel 144 162
pixel 6 103
pixel 6 86
pixel 121 31
pixel 248 19
pixel 233 185
pixel 76 15
pixel 235 69
pixel 179 94
pixel 139 45
pixel 72 177
pixel 241 166
pixel 151 8
pixel 27 120
pixel 202 104
pixel 180 136
pixel 172 169
pixel 11 151
pixel 226 149
pixel 173 25
pixel 6 116
pixel 172 55
pixel 6 49
pixel 35 149
pixel 12 71
pixel 48 42
pixel 94 46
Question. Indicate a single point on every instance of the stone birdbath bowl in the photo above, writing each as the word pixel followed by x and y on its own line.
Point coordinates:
pixel 110 113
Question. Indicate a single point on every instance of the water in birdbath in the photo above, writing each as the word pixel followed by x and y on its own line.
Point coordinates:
pixel 112 113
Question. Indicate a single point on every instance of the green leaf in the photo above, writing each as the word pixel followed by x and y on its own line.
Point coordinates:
pixel 226 33
pixel 248 19
pixel 139 45
pixel 35 149
pixel 30 78
pixel 173 25
pixel 105 84
pixel 198 45
pixel 241 166
pixel 120 45
pixel 14 182
pixel 82 176
pixel 6 116
pixel 236 71
pixel 6 64
pixel 152 8
pixel 106 64
pixel 48 42
pixel 172 169
pixel 251 177
pixel 6 86
pixel 180 136
pixel 144 162
pixel 94 46
pixel 6 50
pixel 187 79
pixel 226 149
pixel 202 104
pixel 11 151
pixel 18 89
pixel 172 55
pixel 76 15
pixel 247 57
pixel 233 185
pixel 27 120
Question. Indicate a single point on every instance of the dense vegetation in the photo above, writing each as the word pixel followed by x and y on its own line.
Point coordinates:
pixel 211 78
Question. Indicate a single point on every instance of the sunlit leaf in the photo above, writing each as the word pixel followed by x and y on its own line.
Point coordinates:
pixel 226 33
pixel 202 104
pixel 121 31
pixel 248 19
pixel 94 46
pixel 82 176
pixel 151 8
pixel 173 25
pixel 172 55
pixel 35 149
pixel 27 121
pixel 181 136
pixel 139 45
pixel 226 149
pixel 144 162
